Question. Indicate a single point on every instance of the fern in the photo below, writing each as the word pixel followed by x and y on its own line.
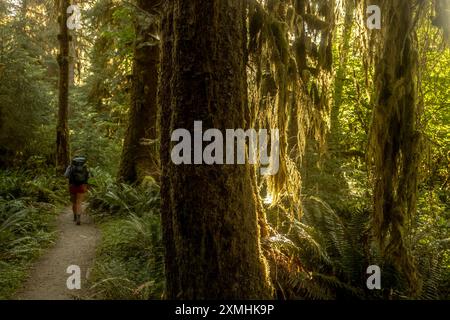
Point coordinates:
pixel 334 250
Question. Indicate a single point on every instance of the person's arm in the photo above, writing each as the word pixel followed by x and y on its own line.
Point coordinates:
pixel 67 173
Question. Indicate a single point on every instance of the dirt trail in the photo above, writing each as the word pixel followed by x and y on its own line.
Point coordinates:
pixel 75 246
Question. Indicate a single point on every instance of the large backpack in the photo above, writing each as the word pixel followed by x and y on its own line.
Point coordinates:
pixel 79 173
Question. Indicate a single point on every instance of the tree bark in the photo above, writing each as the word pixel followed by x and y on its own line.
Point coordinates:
pixel 62 130
pixel 209 212
pixel 141 159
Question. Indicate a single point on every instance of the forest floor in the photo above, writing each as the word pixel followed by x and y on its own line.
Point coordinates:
pixel 75 245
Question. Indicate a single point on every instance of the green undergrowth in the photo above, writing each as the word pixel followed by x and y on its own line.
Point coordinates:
pixel 329 250
pixel 322 255
pixel 29 203
pixel 129 261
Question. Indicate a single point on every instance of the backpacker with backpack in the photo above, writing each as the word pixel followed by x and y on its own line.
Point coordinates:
pixel 79 173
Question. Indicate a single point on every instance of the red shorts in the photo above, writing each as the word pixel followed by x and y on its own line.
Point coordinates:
pixel 78 189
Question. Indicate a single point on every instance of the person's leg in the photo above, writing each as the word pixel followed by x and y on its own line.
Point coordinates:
pixel 80 202
pixel 80 198
pixel 74 205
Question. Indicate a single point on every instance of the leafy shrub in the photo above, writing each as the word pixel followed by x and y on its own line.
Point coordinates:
pixel 39 186
pixel 130 259
pixel 110 199
pixel 28 206
pixel 25 229
pixel 328 253
pixel 129 262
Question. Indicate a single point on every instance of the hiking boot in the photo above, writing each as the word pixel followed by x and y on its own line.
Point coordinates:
pixel 78 219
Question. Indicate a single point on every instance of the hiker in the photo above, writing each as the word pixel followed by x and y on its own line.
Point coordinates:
pixel 78 176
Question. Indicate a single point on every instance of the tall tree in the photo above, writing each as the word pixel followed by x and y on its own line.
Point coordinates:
pixel 139 154
pixel 62 130
pixel 395 138
pixel 209 212
pixel 341 72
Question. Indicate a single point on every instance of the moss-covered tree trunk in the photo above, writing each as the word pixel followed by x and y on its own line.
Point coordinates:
pixel 209 212
pixel 395 137
pixel 139 154
pixel 62 130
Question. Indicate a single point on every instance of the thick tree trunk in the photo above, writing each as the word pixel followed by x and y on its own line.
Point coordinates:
pixel 395 138
pixel 62 131
pixel 139 158
pixel 209 212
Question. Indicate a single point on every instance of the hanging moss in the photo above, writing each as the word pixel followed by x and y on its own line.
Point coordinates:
pixel 300 7
pixel 268 85
pixel 315 23
pixel 255 28
pixel 442 18
pixel 300 54
pixel 279 34
pixel 293 68
pixel 395 140
pixel 290 18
